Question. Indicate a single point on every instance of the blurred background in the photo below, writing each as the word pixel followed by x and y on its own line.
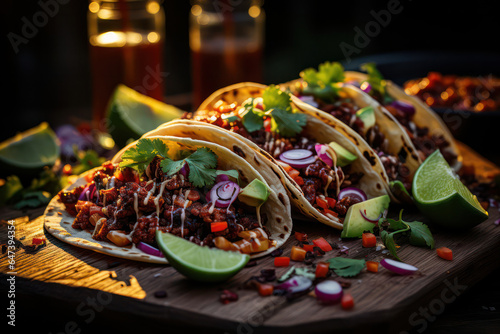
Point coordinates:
pixel 48 68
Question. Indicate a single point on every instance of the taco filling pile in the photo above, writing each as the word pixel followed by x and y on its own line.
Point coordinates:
pixel 322 90
pixel 324 176
pixel 189 197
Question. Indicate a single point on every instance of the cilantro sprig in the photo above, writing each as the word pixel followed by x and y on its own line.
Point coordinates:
pixel 378 83
pixel 278 108
pixel 322 83
pixel 399 231
pixel 201 163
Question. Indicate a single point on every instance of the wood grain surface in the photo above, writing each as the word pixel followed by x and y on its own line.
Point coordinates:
pixel 85 288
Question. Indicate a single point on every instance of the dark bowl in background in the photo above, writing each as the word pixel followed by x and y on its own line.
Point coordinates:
pixel 481 131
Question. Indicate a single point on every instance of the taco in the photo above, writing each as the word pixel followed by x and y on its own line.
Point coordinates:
pixel 197 190
pixel 425 128
pixel 323 94
pixel 324 173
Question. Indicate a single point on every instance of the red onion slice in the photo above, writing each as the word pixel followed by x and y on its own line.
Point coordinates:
pixel 397 267
pixel 224 193
pixel 322 151
pixel 297 154
pixel 298 163
pixel 403 106
pixel 373 221
pixel 366 87
pixel 352 192
pixel 148 249
pixel 328 292
pixel 295 284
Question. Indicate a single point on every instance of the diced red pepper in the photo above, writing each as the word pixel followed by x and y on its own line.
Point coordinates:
pixel 282 261
pixel 38 241
pixel 308 248
pixel 300 236
pixel 322 244
pixel 372 266
pixel 322 269
pixel 322 203
pixel 218 226
pixel 333 213
pixel 266 289
pixel 347 301
pixel 445 253
pixel 369 240
pixel 331 202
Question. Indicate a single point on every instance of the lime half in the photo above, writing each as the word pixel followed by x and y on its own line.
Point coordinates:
pixel 30 150
pixel 200 263
pixel 131 114
pixel 443 198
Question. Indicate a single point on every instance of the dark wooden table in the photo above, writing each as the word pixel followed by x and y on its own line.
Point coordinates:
pixel 64 289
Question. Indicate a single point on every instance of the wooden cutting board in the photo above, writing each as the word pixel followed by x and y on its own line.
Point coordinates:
pixel 384 301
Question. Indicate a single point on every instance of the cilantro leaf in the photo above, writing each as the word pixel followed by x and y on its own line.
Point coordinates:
pixel 286 123
pixel 201 164
pixel 252 119
pixel 293 271
pixel 140 156
pixel 273 97
pixel 231 173
pixel 377 81
pixel 416 233
pixel 346 267
pixel 322 84
pixel 420 235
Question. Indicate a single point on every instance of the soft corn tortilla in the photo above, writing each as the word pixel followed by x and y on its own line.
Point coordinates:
pixel 424 115
pixel 372 183
pixel 279 222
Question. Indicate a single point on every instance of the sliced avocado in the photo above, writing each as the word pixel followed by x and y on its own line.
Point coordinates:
pixel 355 224
pixel 254 194
pixel 367 115
pixel 344 157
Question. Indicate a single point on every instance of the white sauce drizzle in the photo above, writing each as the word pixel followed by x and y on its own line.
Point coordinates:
pixel 183 214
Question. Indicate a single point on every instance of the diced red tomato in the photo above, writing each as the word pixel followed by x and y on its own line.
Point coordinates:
pixel 347 301
pixel 322 203
pixel 331 202
pixel 322 269
pixel 333 213
pixel 322 244
pixel 445 253
pixel 372 266
pixel 266 289
pixel 308 248
pixel 38 241
pixel 300 236
pixel 281 261
pixel 369 240
pixel 218 226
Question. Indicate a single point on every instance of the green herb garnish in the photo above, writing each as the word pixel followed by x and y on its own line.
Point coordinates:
pixel 378 83
pixel 201 162
pixel 278 108
pixel 416 233
pixel 293 271
pixel 346 267
pixel 322 83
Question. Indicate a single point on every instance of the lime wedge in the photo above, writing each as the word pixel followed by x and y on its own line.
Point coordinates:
pixel 200 263
pixel 132 114
pixel 443 198
pixel 29 151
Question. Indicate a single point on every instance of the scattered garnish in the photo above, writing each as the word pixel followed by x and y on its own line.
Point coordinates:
pixel 346 267
pixel 228 296
pixel 297 254
pixel 347 301
pixel 328 292
pixel 445 253
pixel 282 261
pixel 266 289
pixel 397 267
pixel 369 240
pixel 322 244
pixel 322 269
pixel 416 233
pixel 372 266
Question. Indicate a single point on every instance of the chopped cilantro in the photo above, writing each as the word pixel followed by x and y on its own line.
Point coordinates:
pixel 277 104
pixel 322 83
pixel 378 83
